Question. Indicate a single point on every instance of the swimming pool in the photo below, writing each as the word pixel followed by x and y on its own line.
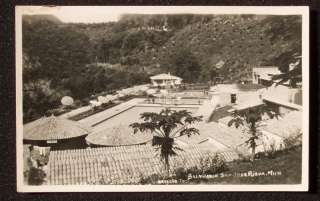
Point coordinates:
pixel 132 115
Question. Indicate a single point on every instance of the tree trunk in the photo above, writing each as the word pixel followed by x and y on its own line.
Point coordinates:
pixel 253 153
pixel 167 166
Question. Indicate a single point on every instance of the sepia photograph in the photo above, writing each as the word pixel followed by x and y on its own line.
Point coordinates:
pixel 162 98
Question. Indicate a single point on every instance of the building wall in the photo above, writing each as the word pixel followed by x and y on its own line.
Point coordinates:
pixel 279 108
pixel 284 93
pixel 255 78
pixel 165 82
pixel 263 73
pixel 72 143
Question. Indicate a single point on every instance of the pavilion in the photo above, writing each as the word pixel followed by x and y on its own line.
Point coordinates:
pixel 165 80
pixel 119 135
pixel 263 74
pixel 55 132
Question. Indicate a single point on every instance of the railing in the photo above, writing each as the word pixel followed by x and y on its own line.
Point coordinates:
pixel 172 101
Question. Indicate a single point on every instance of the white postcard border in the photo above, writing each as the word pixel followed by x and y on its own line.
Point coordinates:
pixel 270 10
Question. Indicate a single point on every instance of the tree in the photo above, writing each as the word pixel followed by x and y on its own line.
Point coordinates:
pixel 250 122
pixel 293 74
pixel 184 64
pixel 213 72
pixel 165 126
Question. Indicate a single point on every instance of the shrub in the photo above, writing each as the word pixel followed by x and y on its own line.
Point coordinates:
pixel 194 171
pixel 56 112
pixel 145 94
pixel 152 179
pixel 292 141
pixel 181 173
pixel 244 158
pixel 209 164
pixel 36 176
pixel 212 164
pixel 77 103
pixel 70 107
pixel 271 151
pixel 43 159
pixel 104 105
pixel 85 101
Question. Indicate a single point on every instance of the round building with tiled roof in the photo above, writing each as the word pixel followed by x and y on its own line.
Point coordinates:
pixel 55 132
pixel 120 135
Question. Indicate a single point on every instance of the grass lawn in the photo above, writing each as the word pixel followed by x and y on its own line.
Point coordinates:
pixel 288 163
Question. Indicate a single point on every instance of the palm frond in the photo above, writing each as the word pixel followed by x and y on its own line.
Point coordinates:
pixel 189 132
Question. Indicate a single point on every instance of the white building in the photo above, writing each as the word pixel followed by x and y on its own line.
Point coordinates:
pixel 164 80
pixel 285 97
pixel 263 74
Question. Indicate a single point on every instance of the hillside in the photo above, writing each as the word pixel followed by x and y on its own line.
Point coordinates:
pixel 240 41
pixel 82 59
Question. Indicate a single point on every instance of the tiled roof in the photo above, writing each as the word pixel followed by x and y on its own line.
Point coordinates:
pixel 278 101
pixel 118 136
pixel 53 128
pixel 229 136
pixel 218 137
pixel 251 103
pixel 284 126
pixel 266 69
pixel 225 120
pixel 265 72
pixel 117 165
pixel 289 124
pixel 164 77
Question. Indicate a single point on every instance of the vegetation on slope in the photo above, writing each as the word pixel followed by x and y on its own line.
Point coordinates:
pixel 285 167
pixel 82 59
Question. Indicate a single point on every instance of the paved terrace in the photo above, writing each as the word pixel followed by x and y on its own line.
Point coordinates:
pixel 100 117
pixel 108 113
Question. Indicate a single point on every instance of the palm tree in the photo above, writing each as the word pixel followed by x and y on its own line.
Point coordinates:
pixel 165 126
pixel 250 123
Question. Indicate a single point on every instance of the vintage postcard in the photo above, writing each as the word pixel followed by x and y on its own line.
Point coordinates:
pixel 162 98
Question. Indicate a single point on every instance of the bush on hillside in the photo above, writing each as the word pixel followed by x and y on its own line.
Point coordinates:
pixel 212 164
pixel 292 141
pixel 36 176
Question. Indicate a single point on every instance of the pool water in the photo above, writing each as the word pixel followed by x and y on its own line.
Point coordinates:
pixel 133 115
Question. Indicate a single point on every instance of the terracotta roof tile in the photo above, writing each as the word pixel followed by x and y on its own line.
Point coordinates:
pixel 117 165
pixel 53 128
pixel 285 126
pixel 164 76
pixel 118 136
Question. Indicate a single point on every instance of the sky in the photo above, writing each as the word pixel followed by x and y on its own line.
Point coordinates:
pixel 97 14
